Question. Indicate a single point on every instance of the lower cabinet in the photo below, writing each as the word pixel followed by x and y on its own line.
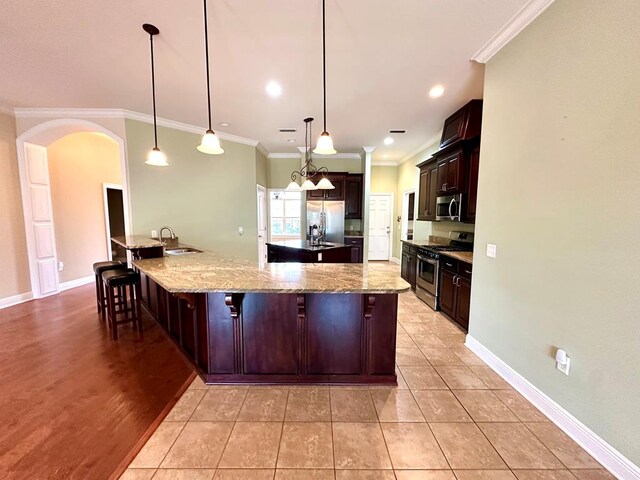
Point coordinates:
pixel 455 290
pixel 357 248
pixel 409 264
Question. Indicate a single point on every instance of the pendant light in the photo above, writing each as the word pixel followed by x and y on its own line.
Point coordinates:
pixel 210 143
pixel 309 170
pixel 155 156
pixel 325 144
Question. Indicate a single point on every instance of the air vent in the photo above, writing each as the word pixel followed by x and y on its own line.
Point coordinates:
pixel 397 131
pixel 287 130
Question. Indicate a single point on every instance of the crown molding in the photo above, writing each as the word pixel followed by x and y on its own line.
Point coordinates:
pixel 383 164
pixel 262 150
pixel 527 14
pixel 7 110
pixel 339 156
pixel 125 114
pixel 424 146
pixel 368 149
pixel 284 155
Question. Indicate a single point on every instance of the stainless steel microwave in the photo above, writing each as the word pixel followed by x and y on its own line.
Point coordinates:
pixel 449 208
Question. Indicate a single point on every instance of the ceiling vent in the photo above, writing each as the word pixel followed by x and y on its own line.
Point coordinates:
pixel 287 130
pixel 397 131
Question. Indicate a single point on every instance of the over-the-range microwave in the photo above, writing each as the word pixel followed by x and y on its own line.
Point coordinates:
pixel 449 208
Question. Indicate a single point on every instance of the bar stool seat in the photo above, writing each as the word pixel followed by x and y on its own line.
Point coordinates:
pixel 122 295
pixel 98 268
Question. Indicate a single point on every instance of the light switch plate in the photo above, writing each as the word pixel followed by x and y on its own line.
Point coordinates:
pixel 491 250
pixel 240 231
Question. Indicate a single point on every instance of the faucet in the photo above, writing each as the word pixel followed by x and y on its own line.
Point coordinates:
pixel 173 235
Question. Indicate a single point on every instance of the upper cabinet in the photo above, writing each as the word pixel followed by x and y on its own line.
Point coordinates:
pixel 463 125
pixel 353 196
pixel 338 193
pixel 454 168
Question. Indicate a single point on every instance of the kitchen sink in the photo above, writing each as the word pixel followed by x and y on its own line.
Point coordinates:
pixel 181 251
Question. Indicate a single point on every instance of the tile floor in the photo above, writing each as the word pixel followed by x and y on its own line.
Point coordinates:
pixel 450 418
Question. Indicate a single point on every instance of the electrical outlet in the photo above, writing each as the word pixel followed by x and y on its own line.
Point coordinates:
pixel 240 231
pixel 60 266
pixel 154 233
pixel 491 250
pixel 319 256
pixel 564 367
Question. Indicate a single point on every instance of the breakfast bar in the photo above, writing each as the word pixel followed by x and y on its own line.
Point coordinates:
pixel 238 322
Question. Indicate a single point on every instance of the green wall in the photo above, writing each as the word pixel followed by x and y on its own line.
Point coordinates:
pixel 559 194
pixel 280 171
pixel 262 170
pixel 204 198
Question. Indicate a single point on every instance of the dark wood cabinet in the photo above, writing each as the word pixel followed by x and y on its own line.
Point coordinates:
pixel 472 184
pixel 357 248
pixel 428 191
pixel 464 124
pixel 338 193
pixel 455 290
pixel 408 264
pixel 291 254
pixel 450 171
pixel 353 196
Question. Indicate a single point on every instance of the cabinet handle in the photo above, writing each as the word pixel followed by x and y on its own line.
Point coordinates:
pixel 468 271
pixel 444 187
pixel 448 264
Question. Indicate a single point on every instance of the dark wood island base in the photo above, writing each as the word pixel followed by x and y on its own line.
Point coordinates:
pixel 280 338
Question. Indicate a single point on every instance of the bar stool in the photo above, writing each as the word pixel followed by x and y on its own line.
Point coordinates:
pixel 122 296
pixel 98 269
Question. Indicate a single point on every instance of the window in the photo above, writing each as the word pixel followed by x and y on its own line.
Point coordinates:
pixel 284 214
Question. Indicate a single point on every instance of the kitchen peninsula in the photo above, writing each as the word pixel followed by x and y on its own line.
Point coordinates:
pixel 304 251
pixel 238 322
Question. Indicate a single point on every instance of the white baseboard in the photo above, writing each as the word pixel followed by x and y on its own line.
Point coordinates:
pixel 78 282
pixel 395 260
pixel 599 449
pixel 15 299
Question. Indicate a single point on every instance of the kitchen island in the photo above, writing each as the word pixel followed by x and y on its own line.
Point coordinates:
pixel 238 322
pixel 303 251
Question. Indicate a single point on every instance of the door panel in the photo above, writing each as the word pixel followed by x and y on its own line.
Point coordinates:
pixel 463 303
pixel 380 210
pixel 447 293
pixel 432 195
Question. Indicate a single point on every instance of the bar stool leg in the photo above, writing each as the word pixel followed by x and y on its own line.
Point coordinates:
pixel 113 321
pixel 99 296
pixel 138 289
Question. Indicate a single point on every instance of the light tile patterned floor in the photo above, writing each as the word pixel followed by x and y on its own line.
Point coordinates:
pixel 451 417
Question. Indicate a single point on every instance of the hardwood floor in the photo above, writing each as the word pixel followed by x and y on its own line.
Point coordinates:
pixel 73 403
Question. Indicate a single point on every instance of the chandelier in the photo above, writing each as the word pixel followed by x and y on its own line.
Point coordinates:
pixel 309 170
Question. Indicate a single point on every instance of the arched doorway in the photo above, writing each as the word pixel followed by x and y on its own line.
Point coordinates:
pixel 37 201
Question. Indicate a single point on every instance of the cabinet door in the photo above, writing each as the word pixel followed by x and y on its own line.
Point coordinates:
pixel 472 184
pixel 412 273
pixel 447 293
pixel 442 176
pixel 338 180
pixel 423 193
pixel 432 193
pixel 353 196
pixel 316 194
pixel 454 170
pixel 463 302
pixel 404 267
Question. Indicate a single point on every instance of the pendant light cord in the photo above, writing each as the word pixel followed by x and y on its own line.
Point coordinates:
pixel 206 52
pixel 153 89
pixel 324 69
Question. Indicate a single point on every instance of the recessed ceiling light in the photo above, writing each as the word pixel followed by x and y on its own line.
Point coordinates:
pixel 291 140
pixel 388 141
pixel 274 89
pixel 224 124
pixel 436 91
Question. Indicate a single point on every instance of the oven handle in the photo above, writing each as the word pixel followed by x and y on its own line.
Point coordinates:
pixel 428 260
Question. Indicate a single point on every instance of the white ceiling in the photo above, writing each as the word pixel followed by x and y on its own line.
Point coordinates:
pixel 382 58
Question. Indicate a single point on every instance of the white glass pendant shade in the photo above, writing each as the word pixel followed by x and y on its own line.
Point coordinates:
pixel 308 185
pixel 325 184
pixel 156 158
pixel 293 187
pixel 325 145
pixel 210 144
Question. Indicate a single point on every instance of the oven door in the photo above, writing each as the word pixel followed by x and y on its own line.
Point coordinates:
pixel 427 274
pixel 449 208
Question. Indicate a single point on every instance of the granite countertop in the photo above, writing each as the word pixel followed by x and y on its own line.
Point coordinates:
pixel 131 242
pixel 210 272
pixel 425 243
pixel 306 245
pixel 462 256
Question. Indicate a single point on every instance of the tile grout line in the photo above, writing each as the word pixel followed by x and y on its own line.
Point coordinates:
pixel 284 418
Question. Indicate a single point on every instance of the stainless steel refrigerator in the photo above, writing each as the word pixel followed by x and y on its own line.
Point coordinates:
pixel 329 217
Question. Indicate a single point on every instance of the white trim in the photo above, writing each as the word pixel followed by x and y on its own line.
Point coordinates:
pixel 368 149
pixel 527 14
pixel 15 300
pixel 598 448
pixel 78 282
pixel 262 150
pixel 404 223
pixel 283 155
pixel 125 114
pixel 7 110
pixel 395 260
pixel 383 164
pixel 259 189
pixel 105 187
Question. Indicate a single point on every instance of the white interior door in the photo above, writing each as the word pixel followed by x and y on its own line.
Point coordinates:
pixel 380 221
pixel 39 221
pixel 262 225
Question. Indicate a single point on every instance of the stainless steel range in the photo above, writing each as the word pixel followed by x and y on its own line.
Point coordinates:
pixel 428 267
